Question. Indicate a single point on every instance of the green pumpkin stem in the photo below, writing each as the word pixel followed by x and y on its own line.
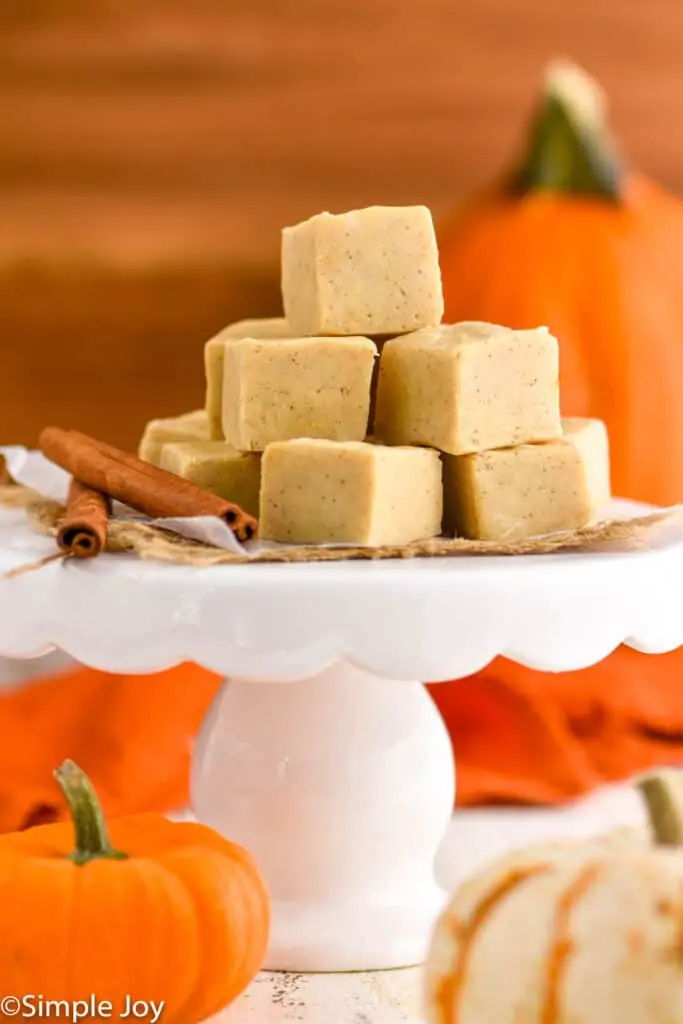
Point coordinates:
pixel 90 828
pixel 570 149
pixel 663 795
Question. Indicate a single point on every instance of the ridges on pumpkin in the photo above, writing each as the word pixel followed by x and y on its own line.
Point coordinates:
pixel 581 930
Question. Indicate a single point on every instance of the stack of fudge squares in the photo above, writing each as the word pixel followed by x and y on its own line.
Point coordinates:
pixel 359 418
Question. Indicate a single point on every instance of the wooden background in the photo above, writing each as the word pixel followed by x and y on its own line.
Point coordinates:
pixel 150 153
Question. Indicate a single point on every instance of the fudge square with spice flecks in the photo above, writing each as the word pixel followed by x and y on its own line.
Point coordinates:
pixel 214 351
pixel 216 467
pixel 322 492
pixel 510 494
pixel 590 437
pixel 298 387
pixel 469 387
pixel 191 426
pixel 372 272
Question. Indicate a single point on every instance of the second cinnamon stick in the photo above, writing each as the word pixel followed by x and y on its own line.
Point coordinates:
pixel 141 486
pixel 83 530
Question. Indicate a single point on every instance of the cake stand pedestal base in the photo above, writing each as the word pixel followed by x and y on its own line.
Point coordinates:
pixel 342 787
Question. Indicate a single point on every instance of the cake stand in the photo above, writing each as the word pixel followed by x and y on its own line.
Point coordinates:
pixel 323 754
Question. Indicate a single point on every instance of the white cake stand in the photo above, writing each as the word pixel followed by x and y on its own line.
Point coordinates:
pixel 323 755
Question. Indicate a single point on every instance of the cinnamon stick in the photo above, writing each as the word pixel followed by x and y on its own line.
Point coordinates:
pixel 83 530
pixel 141 486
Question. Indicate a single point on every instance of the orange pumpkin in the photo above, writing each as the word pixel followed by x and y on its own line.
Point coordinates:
pixel 573 240
pixel 162 912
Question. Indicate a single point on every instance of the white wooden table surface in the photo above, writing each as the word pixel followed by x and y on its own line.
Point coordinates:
pixel 387 997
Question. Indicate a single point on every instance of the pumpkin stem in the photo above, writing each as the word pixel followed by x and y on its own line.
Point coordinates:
pixel 570 149
pixel 663 794
pixel 90 828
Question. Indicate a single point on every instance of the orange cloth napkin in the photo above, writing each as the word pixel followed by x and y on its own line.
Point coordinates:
pixel 522 736
pixel 131 734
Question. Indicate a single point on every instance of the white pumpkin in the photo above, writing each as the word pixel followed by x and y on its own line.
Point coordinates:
pixel 570 932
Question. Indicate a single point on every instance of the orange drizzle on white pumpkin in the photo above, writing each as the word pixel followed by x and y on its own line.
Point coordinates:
pixel 449 989
pixel 562 945
pixel 677 914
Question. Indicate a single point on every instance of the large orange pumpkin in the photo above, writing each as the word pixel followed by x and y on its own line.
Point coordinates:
pixel 573 240
pixel 150 911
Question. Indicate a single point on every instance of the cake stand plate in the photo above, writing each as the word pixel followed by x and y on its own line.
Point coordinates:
pixel 323 754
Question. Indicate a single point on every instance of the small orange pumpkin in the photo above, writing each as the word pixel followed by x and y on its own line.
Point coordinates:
pixel 576 242
pixel 162 912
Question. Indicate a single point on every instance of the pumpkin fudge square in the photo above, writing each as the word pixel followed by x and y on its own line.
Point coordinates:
pixel 321 492
pixel 218 468
pixel 468 387
pixel 214 351
pixel 297 387
pixel 191 426
pixel 372 272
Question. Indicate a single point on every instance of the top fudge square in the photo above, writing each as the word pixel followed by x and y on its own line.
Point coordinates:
pixel 367 272
pixel 465 388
